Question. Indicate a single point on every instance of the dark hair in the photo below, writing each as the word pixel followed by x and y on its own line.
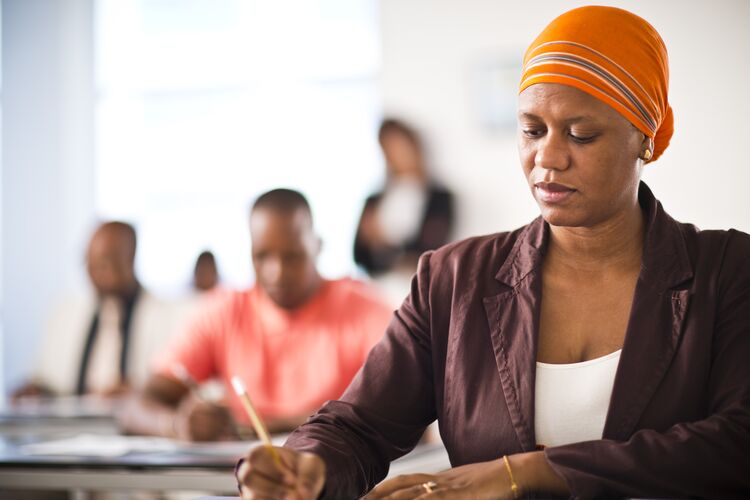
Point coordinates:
pixel 125 229
pixel 391 125
pixel 206 255
pixel 282 200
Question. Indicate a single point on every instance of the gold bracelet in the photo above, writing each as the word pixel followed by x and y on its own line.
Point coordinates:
pixel 513 485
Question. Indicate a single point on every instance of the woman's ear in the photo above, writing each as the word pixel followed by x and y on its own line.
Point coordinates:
pixel 647 149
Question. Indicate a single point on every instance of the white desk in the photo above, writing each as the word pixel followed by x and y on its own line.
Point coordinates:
pixel 198 467
pixel 54 416
pixel 180 467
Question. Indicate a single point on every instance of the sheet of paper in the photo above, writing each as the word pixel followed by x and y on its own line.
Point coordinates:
pixel 94 445
pixel 227 448
pixel 100 446
pixel 60 407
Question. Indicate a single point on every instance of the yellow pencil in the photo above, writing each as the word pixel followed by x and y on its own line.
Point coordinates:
pixel 258 425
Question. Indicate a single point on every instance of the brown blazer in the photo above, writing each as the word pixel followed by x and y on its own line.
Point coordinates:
pixel 462 349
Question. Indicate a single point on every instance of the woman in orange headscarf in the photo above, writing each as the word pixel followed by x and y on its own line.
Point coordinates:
pixel 600 350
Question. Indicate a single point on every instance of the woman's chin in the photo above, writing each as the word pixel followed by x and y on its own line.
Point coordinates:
pixel 562 217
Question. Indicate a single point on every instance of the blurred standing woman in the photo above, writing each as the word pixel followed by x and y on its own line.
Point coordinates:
pixel 600 350
pixel 410 215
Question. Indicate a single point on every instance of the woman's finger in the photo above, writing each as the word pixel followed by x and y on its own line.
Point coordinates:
pixel 425 489
pixel 272 463
pixel 259 485
pixel 397 483
pixel 311 475
pixel 446 492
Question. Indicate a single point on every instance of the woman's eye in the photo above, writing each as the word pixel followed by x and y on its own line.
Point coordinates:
pixel 582 139
pixel 533 133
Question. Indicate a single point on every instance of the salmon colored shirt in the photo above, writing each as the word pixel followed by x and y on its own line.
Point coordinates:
pixel 290 361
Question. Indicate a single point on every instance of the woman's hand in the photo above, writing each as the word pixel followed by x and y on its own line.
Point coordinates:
pixel 296 476
pixel 531 472
pixel 484 480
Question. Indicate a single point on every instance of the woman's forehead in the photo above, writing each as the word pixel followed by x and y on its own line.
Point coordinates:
pixel 559 101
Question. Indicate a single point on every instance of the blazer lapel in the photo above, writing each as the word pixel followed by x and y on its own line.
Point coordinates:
pixel 513 319
pixel 656 320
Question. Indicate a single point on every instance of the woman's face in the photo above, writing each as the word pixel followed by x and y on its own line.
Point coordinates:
pixel 579 155
pixel 402 156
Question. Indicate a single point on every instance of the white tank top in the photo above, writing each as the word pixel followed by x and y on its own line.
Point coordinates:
pixel 571 400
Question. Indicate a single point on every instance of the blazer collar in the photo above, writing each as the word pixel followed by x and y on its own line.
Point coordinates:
pixel 666 262
pixel 526 255
pixel 656 321
pixel 665 256
pixel 513 320
pixel 652 335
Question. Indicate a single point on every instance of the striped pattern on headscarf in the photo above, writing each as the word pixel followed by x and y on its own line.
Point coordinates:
pixel 612 55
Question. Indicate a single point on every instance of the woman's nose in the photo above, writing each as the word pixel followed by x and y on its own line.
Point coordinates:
pixel 552 153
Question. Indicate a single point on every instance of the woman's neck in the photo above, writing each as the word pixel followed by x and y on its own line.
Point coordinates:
pixel 616 244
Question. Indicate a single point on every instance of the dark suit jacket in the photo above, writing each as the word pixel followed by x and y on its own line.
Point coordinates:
pixel 462 349
pixel 434 231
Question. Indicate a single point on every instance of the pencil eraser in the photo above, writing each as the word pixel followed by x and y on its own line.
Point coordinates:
pixel 239 387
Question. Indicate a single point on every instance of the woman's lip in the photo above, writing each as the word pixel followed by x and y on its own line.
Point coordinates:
pixel 550 192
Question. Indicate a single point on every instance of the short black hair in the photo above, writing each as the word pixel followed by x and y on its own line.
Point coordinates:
pixel 282 200
pixel 206 255
pixel 125 229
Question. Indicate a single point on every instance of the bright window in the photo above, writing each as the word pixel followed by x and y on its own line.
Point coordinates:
pixel 204 104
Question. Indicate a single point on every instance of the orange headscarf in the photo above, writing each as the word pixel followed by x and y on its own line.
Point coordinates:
pixel 613 55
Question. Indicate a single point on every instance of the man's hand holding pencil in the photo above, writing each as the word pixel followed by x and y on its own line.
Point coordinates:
pixel 200 420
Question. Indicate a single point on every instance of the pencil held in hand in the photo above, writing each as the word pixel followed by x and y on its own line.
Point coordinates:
pixel 183 375
pixel 258 425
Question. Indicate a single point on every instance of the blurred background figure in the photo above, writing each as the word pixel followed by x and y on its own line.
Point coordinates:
pixel 110 129
pixel 409 215
pixel 296 339
pixel 206 272
pixel 102 343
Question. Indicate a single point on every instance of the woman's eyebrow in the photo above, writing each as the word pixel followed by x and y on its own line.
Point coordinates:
pixel 572 120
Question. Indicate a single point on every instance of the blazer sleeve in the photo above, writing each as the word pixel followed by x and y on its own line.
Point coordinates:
pixel 437 224
pixel 374 259
pixel 385 410
pixel 706 458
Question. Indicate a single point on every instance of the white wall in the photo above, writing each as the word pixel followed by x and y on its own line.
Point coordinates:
pixel 47 164
pixel 431 51
pixel 432 48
